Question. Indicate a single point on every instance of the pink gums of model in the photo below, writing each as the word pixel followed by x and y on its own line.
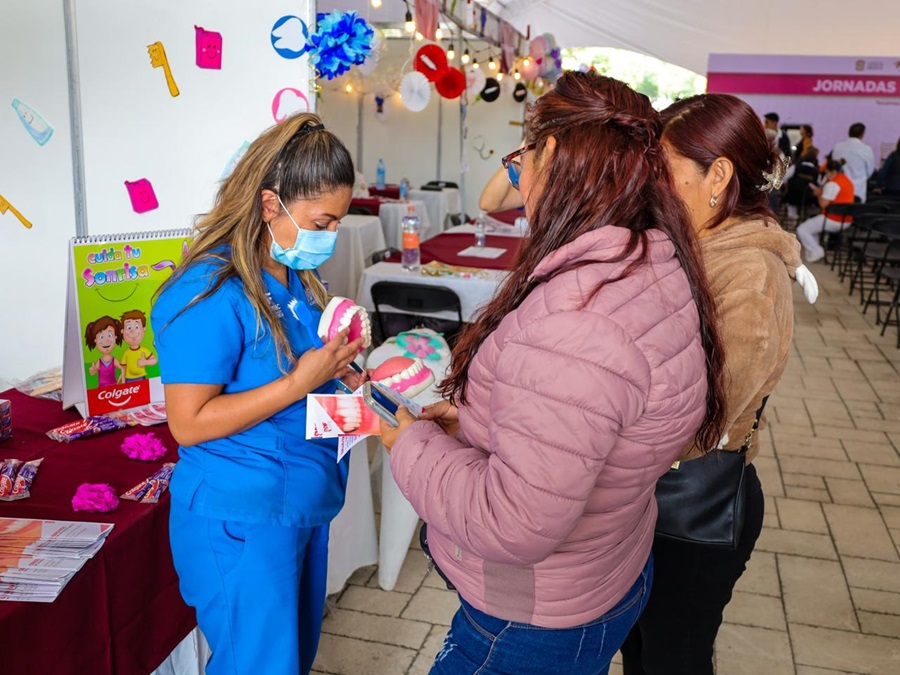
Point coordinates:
pixel 341 313
pixel 404 375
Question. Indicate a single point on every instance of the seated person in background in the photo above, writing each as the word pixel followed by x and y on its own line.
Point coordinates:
pixel 838 189
pixel 889 174
pixel 806 141
pixel 498 194
pixel 800 177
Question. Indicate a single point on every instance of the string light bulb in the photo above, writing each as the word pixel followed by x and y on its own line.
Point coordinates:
pixel 451 53
pixel 376 3
pixel 517 75
pixel 492 64
pixel 348 88
pixel 409 24
pixel 419 36
pixel 438 34
pixel 475 65
pixel 526 62
pixel 500 77
pixel 465 57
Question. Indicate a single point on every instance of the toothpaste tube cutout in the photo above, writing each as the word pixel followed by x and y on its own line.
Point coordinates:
pixel 150 489
pixel 404 375
pixel 341 313
pixel 8 472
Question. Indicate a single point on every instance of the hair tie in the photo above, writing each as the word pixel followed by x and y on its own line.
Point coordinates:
pixel 310 128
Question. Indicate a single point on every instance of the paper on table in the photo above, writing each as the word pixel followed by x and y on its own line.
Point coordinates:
pixel 481 252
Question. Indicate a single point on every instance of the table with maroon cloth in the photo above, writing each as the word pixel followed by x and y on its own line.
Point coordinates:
pixel 389 191
pixel 122 612
pixel 446 247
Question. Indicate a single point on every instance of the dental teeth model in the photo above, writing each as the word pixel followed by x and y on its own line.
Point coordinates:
pixel 404 375
pixel 342 313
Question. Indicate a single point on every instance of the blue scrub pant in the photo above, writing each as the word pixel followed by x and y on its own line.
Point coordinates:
pixel 258 589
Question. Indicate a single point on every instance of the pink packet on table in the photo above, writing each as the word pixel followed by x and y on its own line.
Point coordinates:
pixel 89 426
pixel 22 486
pixel 159 482
pixel 8 472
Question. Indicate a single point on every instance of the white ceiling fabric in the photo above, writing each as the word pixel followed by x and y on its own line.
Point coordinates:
pixel 685 32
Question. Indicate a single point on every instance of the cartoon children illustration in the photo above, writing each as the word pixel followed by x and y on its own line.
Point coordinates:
pixel 104 334
pixel 136 358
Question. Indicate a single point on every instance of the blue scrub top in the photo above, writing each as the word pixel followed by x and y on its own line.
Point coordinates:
pixel 270 472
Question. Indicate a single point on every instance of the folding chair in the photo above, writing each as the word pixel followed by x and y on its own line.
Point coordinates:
pixel 418 303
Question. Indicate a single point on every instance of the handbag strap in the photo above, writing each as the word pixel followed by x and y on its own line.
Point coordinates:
pixel 746 446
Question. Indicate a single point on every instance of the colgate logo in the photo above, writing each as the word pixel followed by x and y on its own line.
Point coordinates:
pixel 114 395
pixel 118 397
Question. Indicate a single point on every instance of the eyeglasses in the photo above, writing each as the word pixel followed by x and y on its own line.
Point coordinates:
pixel 514 169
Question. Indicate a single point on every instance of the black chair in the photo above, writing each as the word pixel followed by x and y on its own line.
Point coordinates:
pixel 384 254
pixel 356 210
pixel 836 241
pixel 416 305
pixel 867 249
pixel 886 269
pixel 439 184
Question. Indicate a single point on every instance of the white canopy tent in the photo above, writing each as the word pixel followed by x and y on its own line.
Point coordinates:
pixel 686 32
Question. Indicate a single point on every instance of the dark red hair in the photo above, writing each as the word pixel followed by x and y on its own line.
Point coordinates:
pixel 607 168
pixel 706 127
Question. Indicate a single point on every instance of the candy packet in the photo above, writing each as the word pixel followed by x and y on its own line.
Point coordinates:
pixel 89 426
pixel 8 472
pixel 22 486
pixel 149 490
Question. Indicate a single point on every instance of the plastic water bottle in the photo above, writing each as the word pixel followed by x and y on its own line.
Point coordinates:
pixel 411 258
pixel 380 175
pixel 480 230
pixel 404 189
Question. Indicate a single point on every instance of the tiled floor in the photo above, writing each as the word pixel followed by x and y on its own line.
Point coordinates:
pixel 821 595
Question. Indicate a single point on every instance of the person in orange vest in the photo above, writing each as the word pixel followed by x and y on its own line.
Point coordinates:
pixel 838 189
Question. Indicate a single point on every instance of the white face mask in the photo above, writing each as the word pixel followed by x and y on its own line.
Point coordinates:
pixel 310 249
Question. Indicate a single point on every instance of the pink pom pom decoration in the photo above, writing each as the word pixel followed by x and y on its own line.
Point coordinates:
pixel 144 447
pixel 98 497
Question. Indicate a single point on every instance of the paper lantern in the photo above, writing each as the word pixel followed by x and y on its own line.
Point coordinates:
pixel 451 84
pixel 520 93
pixel 475 79
pixel 538 47
pixel 491 91
pixel 415 91
pixel 431 61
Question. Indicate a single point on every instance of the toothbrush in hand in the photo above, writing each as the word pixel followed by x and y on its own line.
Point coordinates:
pixel 158 59
pixel 6 206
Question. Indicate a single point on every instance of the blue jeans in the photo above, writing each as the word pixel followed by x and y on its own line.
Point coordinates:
pixel 480 644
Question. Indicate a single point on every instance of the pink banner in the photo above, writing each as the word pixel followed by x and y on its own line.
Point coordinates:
pixel 804 85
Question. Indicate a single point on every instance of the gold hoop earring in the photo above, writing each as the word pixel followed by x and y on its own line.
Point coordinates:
pixel 713 201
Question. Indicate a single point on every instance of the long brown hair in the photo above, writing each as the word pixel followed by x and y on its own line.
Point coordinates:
pixel 295 159
pixel 607 168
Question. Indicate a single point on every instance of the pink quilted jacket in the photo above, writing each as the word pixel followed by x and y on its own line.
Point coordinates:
pixel 541 511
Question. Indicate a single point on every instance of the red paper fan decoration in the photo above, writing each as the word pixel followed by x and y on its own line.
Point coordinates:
pixel 431 61
pixel 451 84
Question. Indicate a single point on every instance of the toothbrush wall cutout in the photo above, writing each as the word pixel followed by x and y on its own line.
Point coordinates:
pixel 158 59
pixel 6 206
pixel 143 198
pixel 36 125
pixel 209 48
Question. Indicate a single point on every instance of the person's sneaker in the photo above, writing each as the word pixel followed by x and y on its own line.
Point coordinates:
pixel 815 258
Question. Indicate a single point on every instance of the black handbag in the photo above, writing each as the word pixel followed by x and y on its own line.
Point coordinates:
pixel 702 500
pixel 423 541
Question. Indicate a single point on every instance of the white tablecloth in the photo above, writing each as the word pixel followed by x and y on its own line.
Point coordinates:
pixel 391 215
pixel 358 238
pixel 473 293
pixel 440 204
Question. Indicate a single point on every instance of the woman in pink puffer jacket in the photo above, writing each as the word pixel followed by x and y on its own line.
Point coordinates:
pixel 577 387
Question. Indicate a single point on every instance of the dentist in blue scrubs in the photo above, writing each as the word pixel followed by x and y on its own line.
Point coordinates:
pixel 235 329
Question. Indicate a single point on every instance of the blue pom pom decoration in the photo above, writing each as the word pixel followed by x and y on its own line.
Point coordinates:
pixel 341 40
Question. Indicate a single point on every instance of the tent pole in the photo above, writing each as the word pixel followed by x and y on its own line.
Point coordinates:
pixel 440 135
pixel 359 133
